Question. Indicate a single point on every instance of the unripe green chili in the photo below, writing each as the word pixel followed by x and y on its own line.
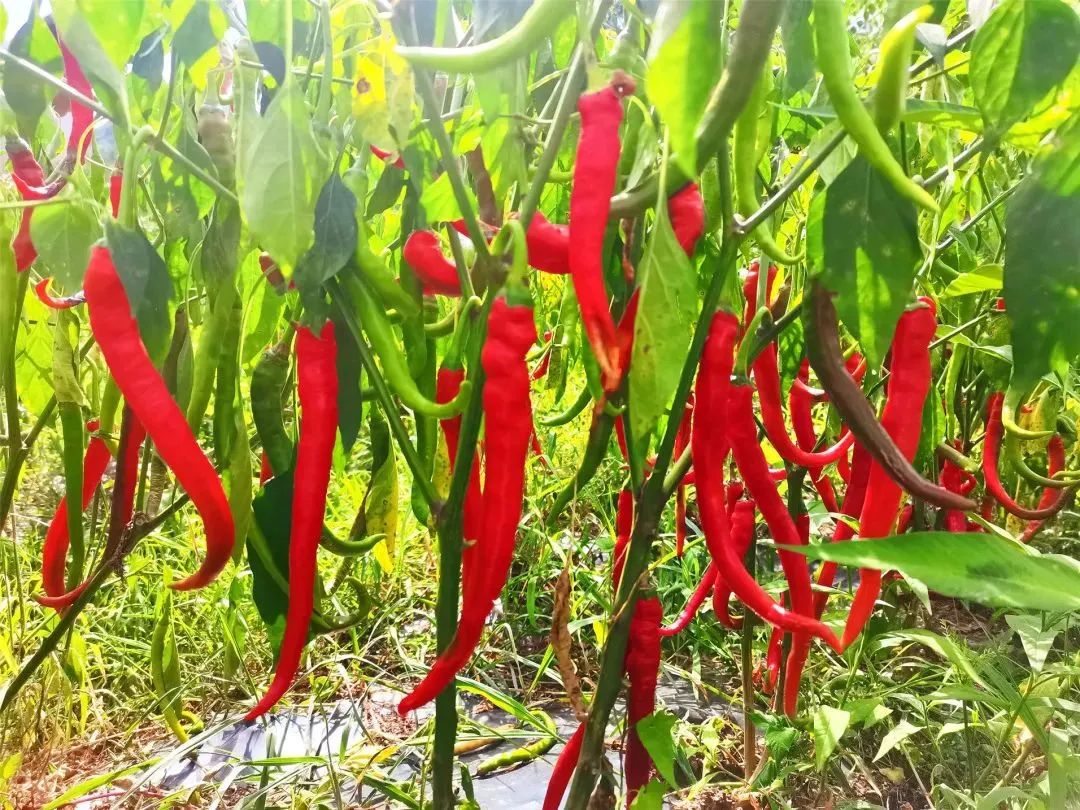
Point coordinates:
pixel 227 390
pixel 595 449
pixel 834 62
pixel 267 389
pixel 72 427
pixel 382 280
pixel 571 413
pixel 379 332
pixel 892 68
pixel 1014 399
pixel 539 20
pixel 207 357
pixel 745 163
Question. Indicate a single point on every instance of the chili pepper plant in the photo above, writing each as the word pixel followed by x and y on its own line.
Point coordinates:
pixel 355 322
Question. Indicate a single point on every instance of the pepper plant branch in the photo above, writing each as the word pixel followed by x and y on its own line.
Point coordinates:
pixel 975 148
pixel 979 215
pixel 383 395
pixel 649 507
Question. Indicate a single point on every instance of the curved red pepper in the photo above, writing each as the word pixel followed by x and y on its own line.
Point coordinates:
pixel 117 333
pixel 682 441
pixel 956 479
pixel 800 403
pixel 383 155
pixel 317 386
pixel 710 443
pixel 907 387
pixel 41 290
pixel 624 525
pixel 1055 463
pixel 129 479
pixel 55 549
pixel 563 770
pixel 81 115
pixel 693 604
pixel 437 274
pixel 742 532
pixel 595 169
pixel 508 425
pixel 642 668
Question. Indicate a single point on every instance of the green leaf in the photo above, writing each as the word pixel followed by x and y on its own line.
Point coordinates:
pixel 335 235
pixel 147 282
pixel 63 235
pixel 979 567
pixel 798 39
pixel 1037 640
pixel 900 732
pixel 681 75
pixel 654 732
pixel 867 712
pixel 862 240
pixel 1042 262
pixel 27 95
pixel 1026 48
pixel 280 171
pixel 662 329
pixel 437 198
pixel 272 508
pixel 650 797
pixel 986 278
pixel 117 26
pixel 830 724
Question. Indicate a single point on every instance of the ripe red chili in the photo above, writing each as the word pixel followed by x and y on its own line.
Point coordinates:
pixel 908 384
pixel 682 441
pixel 642 668
pixel 710 443
pixel 41 290
pixel 800 403
pixel 563 770
pixel 55 548
pixel 595 169
pixel 1055 462
pixel 117 334
pixel 742 533
pixel 800 645
pixel 317 386
pixel 957 479
pixel 686 209
pixel 383 155
pixel 694 603
pixel 991 451
pixel 23 163
pixel 81 115
pixel 437 274
pixel 508 425
pixel 624 525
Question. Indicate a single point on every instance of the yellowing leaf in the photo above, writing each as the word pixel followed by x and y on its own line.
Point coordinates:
pixel 382 93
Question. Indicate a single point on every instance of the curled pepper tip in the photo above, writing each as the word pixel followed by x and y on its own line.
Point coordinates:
pixel 622 83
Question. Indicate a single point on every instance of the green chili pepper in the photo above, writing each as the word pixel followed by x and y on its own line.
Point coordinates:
pixel 267 389
pixel 395 369
pixel 745 160
pixel 227 392
pixel 834 61
pixel 571 413
pixel 892 68
pixel 526 753
pixel 207 357
pixel 538 22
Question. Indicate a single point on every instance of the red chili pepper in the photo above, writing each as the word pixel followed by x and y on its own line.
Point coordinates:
pixel 437 274
pixel 265 471
pixel 385 156
pixel 1055 463
pixel 447 386
pixel 956 479
pixel 317 385
pixel 55 549
pixel 903 522
pixel 508 425
pixel 742 533
pixel 117 334
pixel 23 163
pixel 767 378
pixel 642 668
pixel 81 115
pixel 22 244
pixel 742 432
pixel 542 367
pixel 549 245
pixel 800 403
pixel 41 290
pixel 693 604
pixel 129 480
pixel 908 385
pixel 686 209
pixel 710 442
pixel 682 441
pixel 800 645
pixel 563 770
pixel 750 290
pixel 991 450
pixel 116 186
pixel 595 169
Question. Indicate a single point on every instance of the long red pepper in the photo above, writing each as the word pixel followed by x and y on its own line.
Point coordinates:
pixel 854 498
pixel 384 156
pixel 508 425
pixel 767 379
pixel 55 549
pixel 742 533
pixel 991 451
pixel 81 115
pixel 800 404
pixel 959 480
pixel 624 524
pixel 642 668
pixel 686 210
pixel 563 770
pixel 424 255
pixel 41 290
pixel 23 163
pixel 117 334
pixel 595 167
pixel 907 387
pixel 682 441
pixel 800 645
pixel 710 446
pixel 742 432
pixel 549 245
pixel 317 387
pixel 706 585
pixel 1055 462
pixel 127 478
